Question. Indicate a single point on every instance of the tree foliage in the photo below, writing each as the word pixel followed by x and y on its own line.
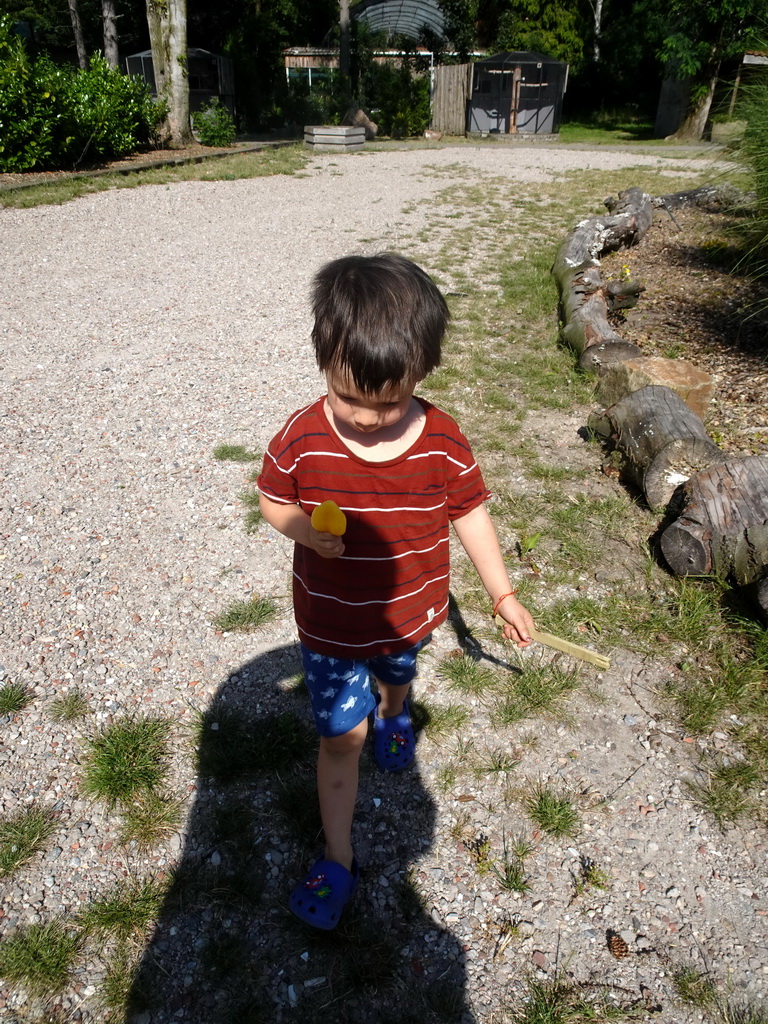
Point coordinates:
pixel 697 39
pixel 51 25
pixel 556 28
pixel 701 35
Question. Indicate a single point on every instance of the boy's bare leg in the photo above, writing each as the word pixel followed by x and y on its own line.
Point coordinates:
pixel 337 780
pixel 392 698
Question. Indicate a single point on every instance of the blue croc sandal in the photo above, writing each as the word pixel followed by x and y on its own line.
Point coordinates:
pixel 394 744
pixel 327 888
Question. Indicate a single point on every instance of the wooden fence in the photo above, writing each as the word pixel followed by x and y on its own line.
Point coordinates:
pixel 449 101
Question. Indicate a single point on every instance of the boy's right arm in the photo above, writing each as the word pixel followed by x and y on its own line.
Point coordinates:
pixel 293 522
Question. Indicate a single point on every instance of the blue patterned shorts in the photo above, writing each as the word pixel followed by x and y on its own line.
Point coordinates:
pixel 340 688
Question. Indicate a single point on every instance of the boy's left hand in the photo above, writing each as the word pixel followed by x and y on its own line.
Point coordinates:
pixel 518 619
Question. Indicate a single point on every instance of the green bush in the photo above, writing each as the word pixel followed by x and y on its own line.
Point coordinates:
pixel 320 105
pixel 398 99
pixel 213 124
pixel 55 115
pixel 110 114
pixel 30 105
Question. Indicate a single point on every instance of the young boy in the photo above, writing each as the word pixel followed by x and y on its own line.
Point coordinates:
pixel 401 470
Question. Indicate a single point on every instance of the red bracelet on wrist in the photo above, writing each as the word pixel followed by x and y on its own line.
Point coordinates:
pixel 502 598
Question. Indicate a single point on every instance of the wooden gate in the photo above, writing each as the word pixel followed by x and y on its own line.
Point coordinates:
pixel 449 100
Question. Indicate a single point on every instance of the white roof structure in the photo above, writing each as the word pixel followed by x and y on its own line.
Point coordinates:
pixel 400 17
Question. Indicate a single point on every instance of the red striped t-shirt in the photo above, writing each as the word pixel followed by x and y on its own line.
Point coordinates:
pixel 390 587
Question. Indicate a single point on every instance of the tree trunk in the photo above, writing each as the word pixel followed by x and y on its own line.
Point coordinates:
pixel 584 296
pixel 109 23
pixel 724 526
pixel 77 31
pixel 597 10
pixel 344 38
pixel 694 121
pixel 662 441
pixel 167 21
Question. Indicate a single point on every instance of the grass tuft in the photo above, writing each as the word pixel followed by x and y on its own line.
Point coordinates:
pixel 493 762
pixel 694 987
pixel 120 987
pixel 14 697
pixel 235 453
pixel 22 836
pixel 296 801
pixel 466 675
pixel 39 957
pixel 126 759
pixel 591 876
pixel 557 1001
pixel 253 516
pixel 126 910
pixel 245 616
pixel 69 707
pixel 553 812
pixel 231 745
pixel 149 818
pixel 511 872
pixel 437 720
pixel 538 689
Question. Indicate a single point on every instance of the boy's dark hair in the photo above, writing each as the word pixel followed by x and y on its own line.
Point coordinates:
pixel 379 319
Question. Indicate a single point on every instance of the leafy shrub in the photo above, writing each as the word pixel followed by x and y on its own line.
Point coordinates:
pixel 54 115
pixel 320 105
pixel 398 99
pixel 213 124
pixel 30 105
pixel 110 113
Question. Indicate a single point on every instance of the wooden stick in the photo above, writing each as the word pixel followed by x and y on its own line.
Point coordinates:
pixel 583 653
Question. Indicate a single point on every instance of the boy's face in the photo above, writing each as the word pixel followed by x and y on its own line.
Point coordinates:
pixel 365 414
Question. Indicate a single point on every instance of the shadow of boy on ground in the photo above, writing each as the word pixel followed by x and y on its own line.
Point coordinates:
pixel 225 949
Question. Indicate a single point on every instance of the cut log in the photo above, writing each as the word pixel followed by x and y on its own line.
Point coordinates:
pixel 591 238
pixel 584 303
pixel 585 297
pixel 607 353
pixel 623 294
pixel 585 311
pixel 663 442
pixel 707 196
pixel 723 529
pixel 631 217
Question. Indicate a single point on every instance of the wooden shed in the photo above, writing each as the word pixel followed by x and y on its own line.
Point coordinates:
pixel 516 93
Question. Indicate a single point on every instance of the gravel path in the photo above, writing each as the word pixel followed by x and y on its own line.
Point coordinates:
pixel 143 327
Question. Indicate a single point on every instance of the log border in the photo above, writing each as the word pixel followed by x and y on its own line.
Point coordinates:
pixel 586 298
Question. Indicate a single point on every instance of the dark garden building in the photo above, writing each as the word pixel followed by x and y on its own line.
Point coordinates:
pixel 516 93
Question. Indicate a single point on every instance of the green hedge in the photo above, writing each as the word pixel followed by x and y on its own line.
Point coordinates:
pixel 54 116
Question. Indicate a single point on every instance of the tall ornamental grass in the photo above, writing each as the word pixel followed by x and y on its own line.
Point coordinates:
pixel 755 148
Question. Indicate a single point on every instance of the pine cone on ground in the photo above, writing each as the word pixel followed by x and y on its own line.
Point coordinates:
pixel 617 946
